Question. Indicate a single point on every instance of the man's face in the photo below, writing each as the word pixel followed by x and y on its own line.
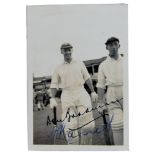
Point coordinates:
pixel 113 48
pixel 67 52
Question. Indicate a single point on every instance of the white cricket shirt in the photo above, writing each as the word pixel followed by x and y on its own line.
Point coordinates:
pixel 110 72
pixel 69 75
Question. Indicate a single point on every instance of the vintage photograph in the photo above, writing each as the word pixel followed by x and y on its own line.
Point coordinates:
pixel 77 60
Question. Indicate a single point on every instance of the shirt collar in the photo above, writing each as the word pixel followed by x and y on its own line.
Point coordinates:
pixel 112 59
pixel 65 62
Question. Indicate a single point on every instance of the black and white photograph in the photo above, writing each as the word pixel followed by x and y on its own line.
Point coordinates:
pixel 77 60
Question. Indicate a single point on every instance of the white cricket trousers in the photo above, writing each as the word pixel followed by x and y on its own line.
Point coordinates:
pixel 78 130
pixel 115 94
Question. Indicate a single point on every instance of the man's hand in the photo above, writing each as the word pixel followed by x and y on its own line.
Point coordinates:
pixel 53 103
pixel 94 97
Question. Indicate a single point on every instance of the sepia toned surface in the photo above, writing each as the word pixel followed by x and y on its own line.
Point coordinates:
pixel 45 37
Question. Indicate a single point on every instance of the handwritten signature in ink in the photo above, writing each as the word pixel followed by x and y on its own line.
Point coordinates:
pixel 68 115
pixel 59 129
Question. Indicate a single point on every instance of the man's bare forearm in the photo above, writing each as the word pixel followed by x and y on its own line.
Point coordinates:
pixel 101 95
pixel 53 92
pixel 90 84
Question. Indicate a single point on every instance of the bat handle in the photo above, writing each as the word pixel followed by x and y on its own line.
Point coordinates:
pixel 55 116
pixel 107 129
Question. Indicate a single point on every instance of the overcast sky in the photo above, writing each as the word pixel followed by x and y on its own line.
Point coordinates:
pixel 86 27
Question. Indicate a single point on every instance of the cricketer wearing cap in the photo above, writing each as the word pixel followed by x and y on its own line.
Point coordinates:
pixel 70 76
pixel 110 75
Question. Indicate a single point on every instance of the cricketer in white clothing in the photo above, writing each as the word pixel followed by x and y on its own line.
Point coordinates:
pixel 70 76
pixel 110 74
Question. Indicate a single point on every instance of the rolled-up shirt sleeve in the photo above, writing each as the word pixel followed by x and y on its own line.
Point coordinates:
pixel 85 73
pixel 55 80
pixel 101 78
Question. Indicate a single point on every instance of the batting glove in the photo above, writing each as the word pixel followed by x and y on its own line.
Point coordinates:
pixel 101 107
pixel 94 97
pixel 53 103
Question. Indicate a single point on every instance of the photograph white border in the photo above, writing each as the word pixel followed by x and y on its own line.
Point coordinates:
pixel 32 146
pixel 13 62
